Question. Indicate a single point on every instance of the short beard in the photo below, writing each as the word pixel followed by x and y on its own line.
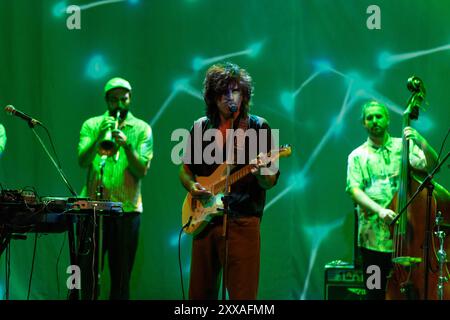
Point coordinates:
pixel 377 134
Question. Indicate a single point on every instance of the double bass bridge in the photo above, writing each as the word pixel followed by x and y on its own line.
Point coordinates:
pixel 407 261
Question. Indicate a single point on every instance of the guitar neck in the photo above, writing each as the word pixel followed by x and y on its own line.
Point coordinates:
pixel 404 179
pixel 244 171
pixel 234 177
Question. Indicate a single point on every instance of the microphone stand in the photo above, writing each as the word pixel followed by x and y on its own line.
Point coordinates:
pixel 97 255
pixel 226 210
pixel 427 183
pixel 441 255
pixel 58 168
pixel 73 294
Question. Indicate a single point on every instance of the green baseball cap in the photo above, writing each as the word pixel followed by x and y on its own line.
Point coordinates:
pixel 117 83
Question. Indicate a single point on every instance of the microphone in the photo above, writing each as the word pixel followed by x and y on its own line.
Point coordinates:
pixel 232 106
pixel 230 101
pixel 9 109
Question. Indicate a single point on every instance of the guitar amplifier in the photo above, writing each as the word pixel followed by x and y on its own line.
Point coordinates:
pixel 343 281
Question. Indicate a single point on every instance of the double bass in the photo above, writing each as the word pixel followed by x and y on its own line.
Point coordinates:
pixel 417 273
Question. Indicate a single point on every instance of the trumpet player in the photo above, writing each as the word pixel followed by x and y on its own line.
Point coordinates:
pixel 116 148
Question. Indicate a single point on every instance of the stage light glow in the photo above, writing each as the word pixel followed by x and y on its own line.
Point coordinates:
pixel 298 181
pixel 163 108
pixel 287 100
pixel 173 242
pixel 97 67
pixel 337 124
pixel 424 123
pixel 254 49
pixel 316 234
pixel 198 63
pixel 180 83
pixel 59 9
pixel 386 60
pixel 359 83
pixel 322 66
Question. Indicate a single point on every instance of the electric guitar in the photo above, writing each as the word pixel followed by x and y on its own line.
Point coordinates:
pixel 197 213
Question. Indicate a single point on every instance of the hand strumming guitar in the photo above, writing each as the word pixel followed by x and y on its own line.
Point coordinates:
pixel 198 191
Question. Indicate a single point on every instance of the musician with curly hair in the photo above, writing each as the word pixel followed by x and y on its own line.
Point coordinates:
pixel 227 93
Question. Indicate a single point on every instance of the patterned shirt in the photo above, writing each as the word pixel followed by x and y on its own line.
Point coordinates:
pixel 376 171
pixel 119 183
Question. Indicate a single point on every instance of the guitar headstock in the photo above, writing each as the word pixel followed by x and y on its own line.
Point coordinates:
pixel 282 152
pixel 285 150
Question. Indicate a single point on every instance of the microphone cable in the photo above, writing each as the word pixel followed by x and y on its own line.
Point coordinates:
pixel 57 262
pixel 7 271
pixel 442 146
pixel 94 271
pixel 32 265
pixel 179 254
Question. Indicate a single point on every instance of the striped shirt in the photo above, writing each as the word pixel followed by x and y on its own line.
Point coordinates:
pixel 120 185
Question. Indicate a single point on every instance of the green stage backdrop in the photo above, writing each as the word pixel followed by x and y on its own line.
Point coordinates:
pixel 313 62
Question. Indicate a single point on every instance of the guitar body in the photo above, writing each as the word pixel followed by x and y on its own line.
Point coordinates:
pixel 197 213
pixel 202 211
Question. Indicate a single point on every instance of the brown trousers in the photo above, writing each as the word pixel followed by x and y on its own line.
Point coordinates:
pixel 243 260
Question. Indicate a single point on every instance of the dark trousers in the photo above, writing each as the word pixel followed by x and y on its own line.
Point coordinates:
pixel 243 260
pixel 384 261
pixel 120 240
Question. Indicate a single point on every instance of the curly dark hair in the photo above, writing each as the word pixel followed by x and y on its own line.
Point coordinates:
pixel 217 81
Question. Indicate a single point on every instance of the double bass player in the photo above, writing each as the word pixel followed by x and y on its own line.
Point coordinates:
pixel 373 174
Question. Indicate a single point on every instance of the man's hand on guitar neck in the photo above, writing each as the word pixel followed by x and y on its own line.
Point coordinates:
pixel 265 181
pixel 261 161
pixel 198 191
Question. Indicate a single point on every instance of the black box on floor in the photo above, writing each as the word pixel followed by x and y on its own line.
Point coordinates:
pixel 343 281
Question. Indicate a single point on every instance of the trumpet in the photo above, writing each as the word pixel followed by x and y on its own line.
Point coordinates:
pixel 108 145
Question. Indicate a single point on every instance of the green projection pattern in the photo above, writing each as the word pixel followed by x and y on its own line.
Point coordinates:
pixel 313 63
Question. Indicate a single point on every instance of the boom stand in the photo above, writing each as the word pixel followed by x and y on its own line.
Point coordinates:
pixel 427 183
pixel 73 293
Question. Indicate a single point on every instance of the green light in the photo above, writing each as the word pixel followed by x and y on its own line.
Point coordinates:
pixel 288 101
pixel 97 67
pixel 59 9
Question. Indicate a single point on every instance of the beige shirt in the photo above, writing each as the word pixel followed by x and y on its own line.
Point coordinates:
pixel 120 185
pixel 376 171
